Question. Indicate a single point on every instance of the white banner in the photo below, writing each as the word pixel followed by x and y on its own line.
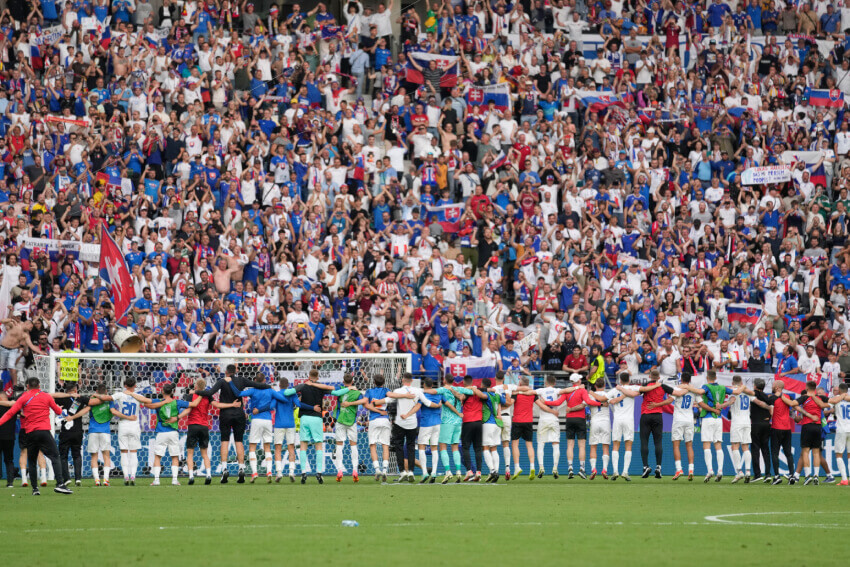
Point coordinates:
pixel 71 248
pixel 88 23
pixel 528 341
pixel 300 376
pixel 766 175
pixel 49 35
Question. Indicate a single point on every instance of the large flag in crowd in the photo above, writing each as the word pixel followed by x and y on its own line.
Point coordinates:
pixel 113 270
pixel 448 64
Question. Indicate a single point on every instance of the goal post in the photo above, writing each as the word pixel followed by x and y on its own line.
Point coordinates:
pixel 153 370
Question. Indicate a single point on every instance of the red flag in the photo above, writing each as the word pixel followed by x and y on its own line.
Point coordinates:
pixel 113 270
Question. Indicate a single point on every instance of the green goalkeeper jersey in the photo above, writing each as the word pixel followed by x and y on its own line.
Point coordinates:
pixel 101 413
pixel 448 416
pixel 714 396
pixel 163 414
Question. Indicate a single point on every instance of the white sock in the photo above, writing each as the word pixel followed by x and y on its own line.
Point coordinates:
pixel 506 453
pixel 719 453
pixel 24 476
pixel 494 456
pixel 435 460
pixel 385 466
pixel 96 474
pixel 615 462
pixel 707 454
pixel 540 450
pixel 605 459
pixel 49 470
pixel 134 464
pixel 355 459
pixel 678 466
pixel 278 466
pixel 556 456
pixel 376 467
pixel 807 470
pixel 338 459
pixel 291 467
pixel 125 465
pixel 267 463
pixel 627 461
pixel 488 460
pixel 241 467
pixel 593 463
pixel 106 471
pixel 156 471
pixel 691 468
pixel 174 472
pixel 842 467
pixel 423 461
pixel 192 472
pixel 748 462
pixel 736 461
pixel 252 458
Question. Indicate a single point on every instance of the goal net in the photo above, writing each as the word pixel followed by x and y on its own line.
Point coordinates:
pixel 153 371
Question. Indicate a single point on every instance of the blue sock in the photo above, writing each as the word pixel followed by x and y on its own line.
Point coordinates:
pixel 320 461
pixel 444 458
pixel 302 460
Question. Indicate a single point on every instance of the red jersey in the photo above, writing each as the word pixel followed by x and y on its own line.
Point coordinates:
pixel 653 396
pixel 36 406
pixel 575 362
pixel 575 399
pixel 523 408
pixel 200 414
pixel 812 407
pixel 472 408
pixel 781 415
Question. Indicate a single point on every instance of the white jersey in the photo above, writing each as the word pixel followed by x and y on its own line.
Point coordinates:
pixel 624 410
pixel 599 414
pixel 405 405
pixel 129 406
pixel 547 395
pixel 740 410
pixel 842 416
pixel 506 389
pixel 683 408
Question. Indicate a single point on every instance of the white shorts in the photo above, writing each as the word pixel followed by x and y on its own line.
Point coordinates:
pixel 491 435
pixel 284 436
pixel 506 428
pixel 548 432
pixel 169 441
pixel 129 440
pixel 261 431
pixel 712 430
pixel 842 441
pixel 379 432
pixel 429 435
pixel 740 434
pixel 682 431
pixel 99 443
pixel 624 430
pixel 345 433
pixel 600 432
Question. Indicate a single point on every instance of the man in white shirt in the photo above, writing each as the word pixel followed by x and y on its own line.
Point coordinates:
pixel 406 425
pixel 622 399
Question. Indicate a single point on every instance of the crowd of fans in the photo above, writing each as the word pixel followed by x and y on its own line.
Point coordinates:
pixel 277 180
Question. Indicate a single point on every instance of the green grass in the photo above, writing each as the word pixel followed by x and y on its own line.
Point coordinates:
pixel 544 522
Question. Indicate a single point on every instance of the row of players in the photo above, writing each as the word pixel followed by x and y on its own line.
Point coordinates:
pixel 481 419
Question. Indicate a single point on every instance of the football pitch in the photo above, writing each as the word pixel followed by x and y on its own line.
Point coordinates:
pixel 540 522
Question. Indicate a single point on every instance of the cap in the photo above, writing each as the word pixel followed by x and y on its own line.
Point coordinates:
pixel 575 377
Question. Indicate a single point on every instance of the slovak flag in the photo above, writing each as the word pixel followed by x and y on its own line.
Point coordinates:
pixel 451 213
pixel 600 100
pixel 498 162
pixel 476 367
pixel 113 270
pixel 746 313
pixel 830 98
pixel 111 183
pixel 499 94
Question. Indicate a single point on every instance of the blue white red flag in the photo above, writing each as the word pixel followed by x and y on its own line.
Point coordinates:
pixel 475 367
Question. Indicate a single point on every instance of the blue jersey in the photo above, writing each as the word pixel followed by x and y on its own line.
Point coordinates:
pixel 376 394
pixel 428 417
pixel 261 400
pixel 284 403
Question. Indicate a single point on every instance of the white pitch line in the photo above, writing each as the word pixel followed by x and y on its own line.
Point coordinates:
pixel 721 519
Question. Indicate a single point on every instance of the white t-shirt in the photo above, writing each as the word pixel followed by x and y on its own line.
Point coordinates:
pixel 842 416
pixel 128 405
pixel 547 394
pixel 624 410
pixel 740 410
pixel 683 408
pixel 405 405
